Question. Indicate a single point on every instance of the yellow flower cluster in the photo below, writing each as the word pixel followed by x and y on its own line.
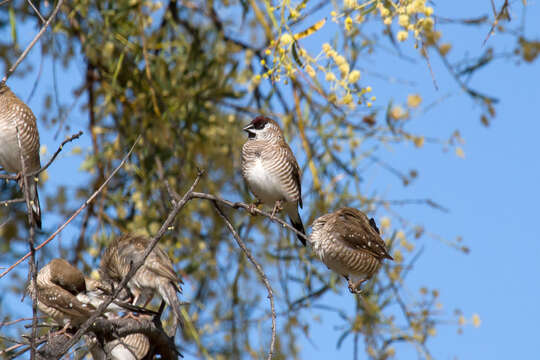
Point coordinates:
pixel 412 15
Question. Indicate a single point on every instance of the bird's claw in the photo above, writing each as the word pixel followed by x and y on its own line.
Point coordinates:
pixel 252 207
pixel 277 207
pixel 354 288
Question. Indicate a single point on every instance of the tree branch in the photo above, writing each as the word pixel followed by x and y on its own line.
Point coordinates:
pixel 43 168
pixel 34 41
pixel 81 208
pixel 259 270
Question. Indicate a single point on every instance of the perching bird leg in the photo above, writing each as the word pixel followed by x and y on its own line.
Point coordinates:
pixel 62 331
pixel 354 288
pixel 253 206
pixel 277 207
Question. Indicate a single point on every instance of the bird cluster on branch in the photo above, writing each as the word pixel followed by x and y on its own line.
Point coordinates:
pixel 133 269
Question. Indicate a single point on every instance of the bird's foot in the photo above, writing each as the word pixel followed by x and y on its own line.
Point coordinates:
pixel 354 287
pixel 62 331
pixel 253 206
pixel 278 206
pixel 131 315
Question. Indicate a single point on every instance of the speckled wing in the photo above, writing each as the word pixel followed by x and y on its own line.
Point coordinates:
pixel 296 172
pixel 355 231
pixel 67 305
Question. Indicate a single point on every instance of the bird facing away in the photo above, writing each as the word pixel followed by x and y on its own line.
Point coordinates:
pixel 58 284
pixel 271 171
pixel 349 243
pixel 15 115
pixel 156 275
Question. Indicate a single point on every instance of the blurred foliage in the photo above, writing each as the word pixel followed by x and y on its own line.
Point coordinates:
pixel 186 75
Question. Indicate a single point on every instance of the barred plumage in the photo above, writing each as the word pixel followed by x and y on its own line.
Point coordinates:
pixel 271 171
pixel 14 114
pixel 130 347
pixel 156 275
pixel 58 284
pixel 348 242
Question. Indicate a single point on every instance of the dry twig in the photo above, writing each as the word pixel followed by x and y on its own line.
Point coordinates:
pixel 259 270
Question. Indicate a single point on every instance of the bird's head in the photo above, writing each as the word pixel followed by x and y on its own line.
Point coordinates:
pixel 263 128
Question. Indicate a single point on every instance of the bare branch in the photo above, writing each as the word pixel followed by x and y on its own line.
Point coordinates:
pixel 259 270
pixel 81 208
pixel 43 168
pixel 237 205
pixel 34 41
pixel 31 221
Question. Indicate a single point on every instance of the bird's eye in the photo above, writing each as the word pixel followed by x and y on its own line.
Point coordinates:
pixel 259 125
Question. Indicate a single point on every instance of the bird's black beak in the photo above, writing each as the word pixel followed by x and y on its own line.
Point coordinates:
pixel 247 129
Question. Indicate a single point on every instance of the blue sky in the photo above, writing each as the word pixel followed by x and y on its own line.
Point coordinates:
pixel 492 193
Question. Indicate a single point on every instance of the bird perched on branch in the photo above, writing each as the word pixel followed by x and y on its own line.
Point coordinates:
pixel 271 171
pixel 15 116
pixel 58 284
pixel 131 347
pixel 156 275
pixel 348 242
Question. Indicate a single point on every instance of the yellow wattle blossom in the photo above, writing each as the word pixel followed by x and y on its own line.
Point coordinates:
pixel 326 48
pixel 340 60
pixel 348 23
pixel 413 100
pixel 310 71
pixel 445 48
pixel 349 4
pixel 385 222
pixel 402 35
pixel 285 39
pixel 460 153
pixel 476 320
pixel 403 20
pixel 387 20
pixel 330 76
pixel 354 76
pixel 344 69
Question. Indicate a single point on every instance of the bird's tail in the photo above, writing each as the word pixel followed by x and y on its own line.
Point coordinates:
pixel 34 201
pixel 296 222
pixel 168 293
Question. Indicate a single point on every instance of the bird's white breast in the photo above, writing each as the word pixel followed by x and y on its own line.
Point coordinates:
pixel 266 187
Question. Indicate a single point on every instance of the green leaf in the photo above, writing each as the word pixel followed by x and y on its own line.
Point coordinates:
pixel 295 55
pixel 13 25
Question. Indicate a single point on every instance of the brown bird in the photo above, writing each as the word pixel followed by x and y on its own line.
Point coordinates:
pixel 14 114
pixel 348 242
pixel 58 284
pixel 271 171
pixel 156 275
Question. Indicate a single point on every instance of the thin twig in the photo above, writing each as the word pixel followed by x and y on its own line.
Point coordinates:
pixel 497 18
pixel 34 41
pixel 81 208
pixel 31 237
pixel 43 168
pixel 259 270
pixel 36 11
pixel 247 207
pixel 11 201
